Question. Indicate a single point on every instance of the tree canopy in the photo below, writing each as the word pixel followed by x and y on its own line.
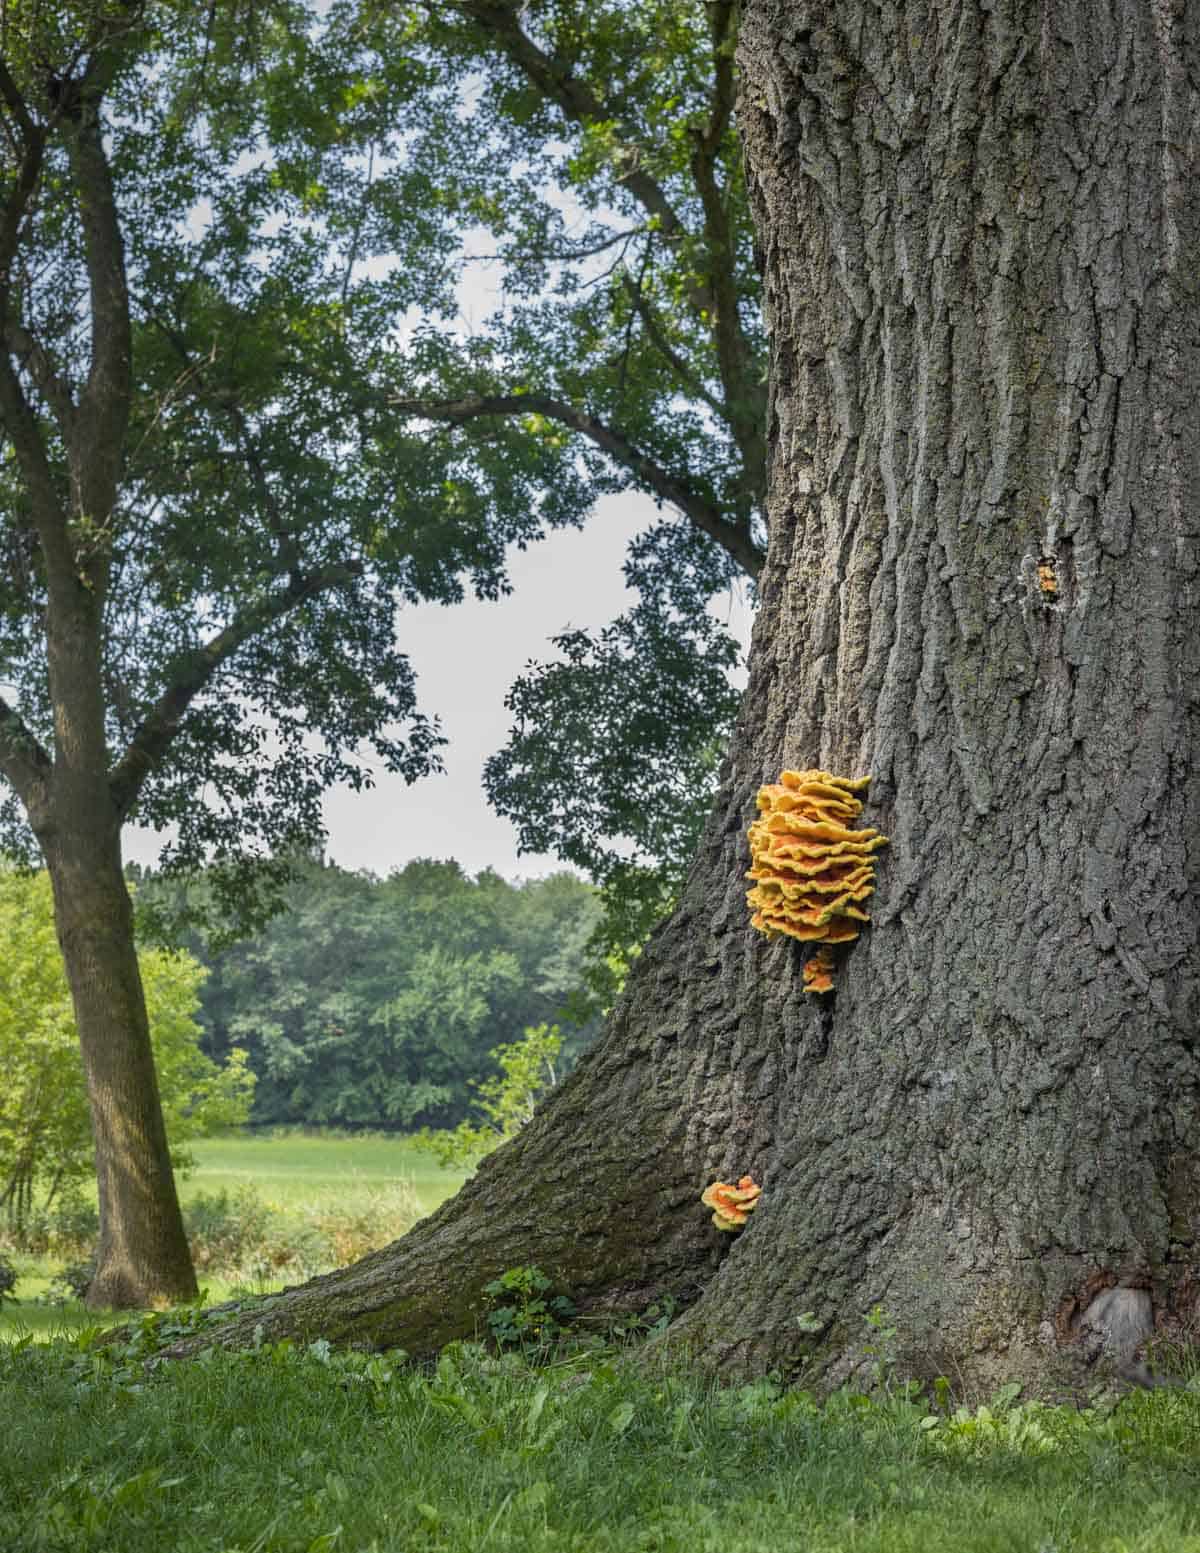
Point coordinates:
pixel 593 162
pixel 287 204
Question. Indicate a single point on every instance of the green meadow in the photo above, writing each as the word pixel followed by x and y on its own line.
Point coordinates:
pixel 296 1169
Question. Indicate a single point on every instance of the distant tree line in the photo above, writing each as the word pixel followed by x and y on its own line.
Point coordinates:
pixel 374 1002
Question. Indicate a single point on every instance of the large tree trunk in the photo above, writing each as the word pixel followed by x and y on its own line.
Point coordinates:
pixel 980 242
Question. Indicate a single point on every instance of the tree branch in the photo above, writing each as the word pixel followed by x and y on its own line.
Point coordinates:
pixel 153 736
pixel 102 421
pixel 744 396
pixel 580 104
pixel 24 764
pixel 734 538
pixel 16 104
pixel 714 297
pixel 16 415
pixel 51 384
pixel 658 338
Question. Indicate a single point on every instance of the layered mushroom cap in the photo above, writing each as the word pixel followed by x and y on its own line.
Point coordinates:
pixel 812 867
pixel 731 1203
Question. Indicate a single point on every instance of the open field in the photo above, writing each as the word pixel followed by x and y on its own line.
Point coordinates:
pixel 299 1169
pixel 302 1175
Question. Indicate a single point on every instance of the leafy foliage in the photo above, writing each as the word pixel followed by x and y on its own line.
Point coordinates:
pixel 375 1002
pixel 523 1310
pixel 275 227
pixel 592 163
pixel 614 756
pixel 506 1102
pixel 45 1133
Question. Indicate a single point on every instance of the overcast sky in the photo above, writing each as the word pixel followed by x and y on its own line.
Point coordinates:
pixel 466 656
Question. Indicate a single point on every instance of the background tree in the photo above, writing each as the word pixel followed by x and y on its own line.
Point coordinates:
pixel 210 513
pixel 375 1002
pixel 45 1128
pixel 980 246
pixel 505 1102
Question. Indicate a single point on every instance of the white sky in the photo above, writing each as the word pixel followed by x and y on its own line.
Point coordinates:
pixel 466 656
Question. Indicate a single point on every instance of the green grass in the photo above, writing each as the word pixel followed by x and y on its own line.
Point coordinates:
pixel 298 1169
pixel 288 1450
pixel 302 1450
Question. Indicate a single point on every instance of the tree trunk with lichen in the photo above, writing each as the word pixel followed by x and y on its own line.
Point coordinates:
pixel 979 236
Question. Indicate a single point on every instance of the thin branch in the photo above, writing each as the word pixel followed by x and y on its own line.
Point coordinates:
pixel 155 733
pixel 734 538
pixel 714 298
pixel 50 383
pixel 577 101
pixel 17 205
pixel 658 338
pixel 23 761
pixel 352 257
pixel 16 104
pixel 560 255
pixel 248 452
pixel 16 415
pixel 24 433
pixel 744 395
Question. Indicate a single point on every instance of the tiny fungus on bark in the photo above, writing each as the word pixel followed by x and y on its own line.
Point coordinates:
pixel 731 1203
pixel 818 971
pixel 812 869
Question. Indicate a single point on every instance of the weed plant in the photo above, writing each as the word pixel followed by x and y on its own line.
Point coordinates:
pixel 292 1448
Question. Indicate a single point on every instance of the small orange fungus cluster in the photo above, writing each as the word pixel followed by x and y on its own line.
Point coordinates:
pixel 818 972
pixel 731 1204
pixel 813 870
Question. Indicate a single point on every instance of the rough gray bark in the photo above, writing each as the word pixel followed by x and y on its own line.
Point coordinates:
pixel 979 232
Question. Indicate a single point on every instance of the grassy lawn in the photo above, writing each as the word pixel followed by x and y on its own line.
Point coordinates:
pixel 293 1450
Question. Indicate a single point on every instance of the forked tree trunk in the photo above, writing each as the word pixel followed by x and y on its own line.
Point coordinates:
pixel 979 230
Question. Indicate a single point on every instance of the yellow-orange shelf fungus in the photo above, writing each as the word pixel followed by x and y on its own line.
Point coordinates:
pixel 812 868
pixel 731 1204
pixel 818 972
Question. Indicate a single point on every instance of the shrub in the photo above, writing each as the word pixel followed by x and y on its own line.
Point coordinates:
pixel 225 1228
pixel 74 1281
pixel 45 1127
pixel 506 1102
pixel 355 1230
pixel 8 1281
pixel 521 1311
pixel 67 1228
pixel 239 1236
